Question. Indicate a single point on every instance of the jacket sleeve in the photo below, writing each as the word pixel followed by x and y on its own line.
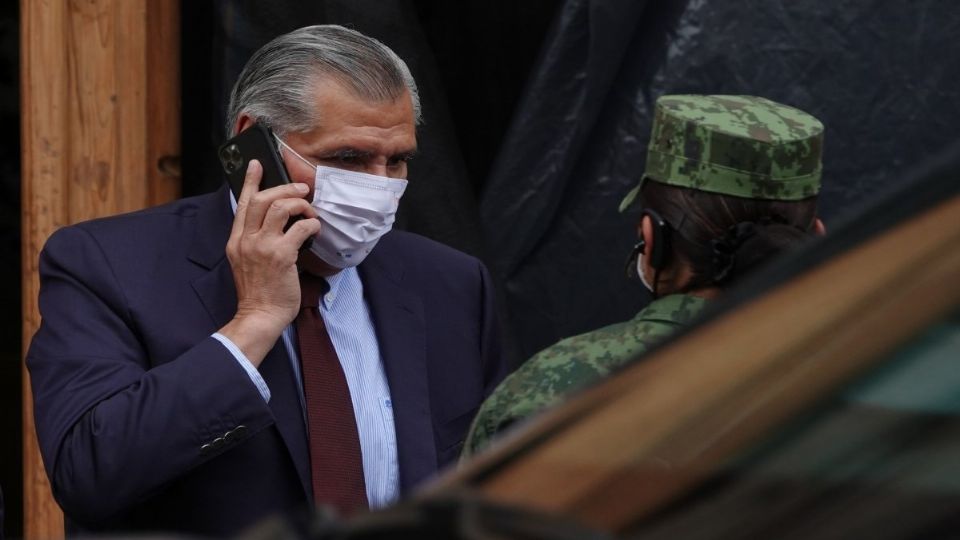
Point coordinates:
pixel 114 425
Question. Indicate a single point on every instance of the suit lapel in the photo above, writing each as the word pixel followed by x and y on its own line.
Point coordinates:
pixel 288 411
pixel 398 318
pixel 218 295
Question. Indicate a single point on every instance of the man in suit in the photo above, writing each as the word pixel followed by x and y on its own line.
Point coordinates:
pixel 171 379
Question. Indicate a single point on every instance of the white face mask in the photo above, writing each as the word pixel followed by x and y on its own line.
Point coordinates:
pixel 356 209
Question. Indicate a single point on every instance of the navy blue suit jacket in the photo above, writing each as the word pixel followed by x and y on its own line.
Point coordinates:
pixel 145 422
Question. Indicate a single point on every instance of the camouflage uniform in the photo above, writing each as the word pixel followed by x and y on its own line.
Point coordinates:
pixel 577 362
pixel 742 146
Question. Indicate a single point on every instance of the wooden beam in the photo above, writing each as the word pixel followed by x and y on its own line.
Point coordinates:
pixel 100 109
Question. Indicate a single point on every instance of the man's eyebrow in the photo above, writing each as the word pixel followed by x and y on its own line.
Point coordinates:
pixel 347 151
pixel 407 155
pixel 356 153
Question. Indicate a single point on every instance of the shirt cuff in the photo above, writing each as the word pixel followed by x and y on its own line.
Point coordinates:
pixel 252 372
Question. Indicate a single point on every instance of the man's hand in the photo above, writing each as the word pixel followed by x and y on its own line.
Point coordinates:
pixel 264 261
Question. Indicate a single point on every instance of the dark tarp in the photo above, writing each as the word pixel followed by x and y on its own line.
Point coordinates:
pixel 882 76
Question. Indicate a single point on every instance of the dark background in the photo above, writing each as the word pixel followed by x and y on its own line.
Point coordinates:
pixel 537 116
pixel 10 318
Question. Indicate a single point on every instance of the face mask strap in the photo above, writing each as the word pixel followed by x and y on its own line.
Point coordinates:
pixel 292 151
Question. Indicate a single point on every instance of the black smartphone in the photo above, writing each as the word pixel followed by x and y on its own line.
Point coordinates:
pixel 256 142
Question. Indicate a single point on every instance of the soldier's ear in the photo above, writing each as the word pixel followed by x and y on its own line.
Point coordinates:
pixel 645 232
pixel 656 235
pixel 819 228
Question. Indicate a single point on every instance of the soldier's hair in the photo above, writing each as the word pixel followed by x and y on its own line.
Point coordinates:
pixel 722 237
pixel 277 85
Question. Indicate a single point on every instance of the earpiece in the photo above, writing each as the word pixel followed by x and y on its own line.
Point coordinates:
pixel 631 266
pixel 661 240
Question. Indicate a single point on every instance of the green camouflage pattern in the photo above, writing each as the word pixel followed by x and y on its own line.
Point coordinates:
pixel 574 363
pixel 743 146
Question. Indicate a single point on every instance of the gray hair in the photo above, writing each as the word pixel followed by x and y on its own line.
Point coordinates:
pixel 277 84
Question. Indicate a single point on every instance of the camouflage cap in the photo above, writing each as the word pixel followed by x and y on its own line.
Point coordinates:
pixel 744 146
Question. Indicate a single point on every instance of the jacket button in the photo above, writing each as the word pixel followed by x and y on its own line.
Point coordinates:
pixel 217 443
pixel 206 449
pixel 235 434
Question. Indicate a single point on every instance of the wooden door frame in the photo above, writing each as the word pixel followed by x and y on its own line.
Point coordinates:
pixel 100 134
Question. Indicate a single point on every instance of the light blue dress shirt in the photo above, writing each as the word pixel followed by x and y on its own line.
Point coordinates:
pixel 351 330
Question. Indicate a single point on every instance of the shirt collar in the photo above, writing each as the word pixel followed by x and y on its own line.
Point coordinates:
pixel 336 288
pixel 674 308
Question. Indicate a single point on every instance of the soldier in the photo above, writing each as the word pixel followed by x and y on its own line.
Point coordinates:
pixel 730 181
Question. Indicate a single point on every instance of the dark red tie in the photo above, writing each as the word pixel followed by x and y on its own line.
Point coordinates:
pixel 336 464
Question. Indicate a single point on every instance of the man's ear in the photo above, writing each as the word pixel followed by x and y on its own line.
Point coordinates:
pixel 819 228
pixel 243 122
